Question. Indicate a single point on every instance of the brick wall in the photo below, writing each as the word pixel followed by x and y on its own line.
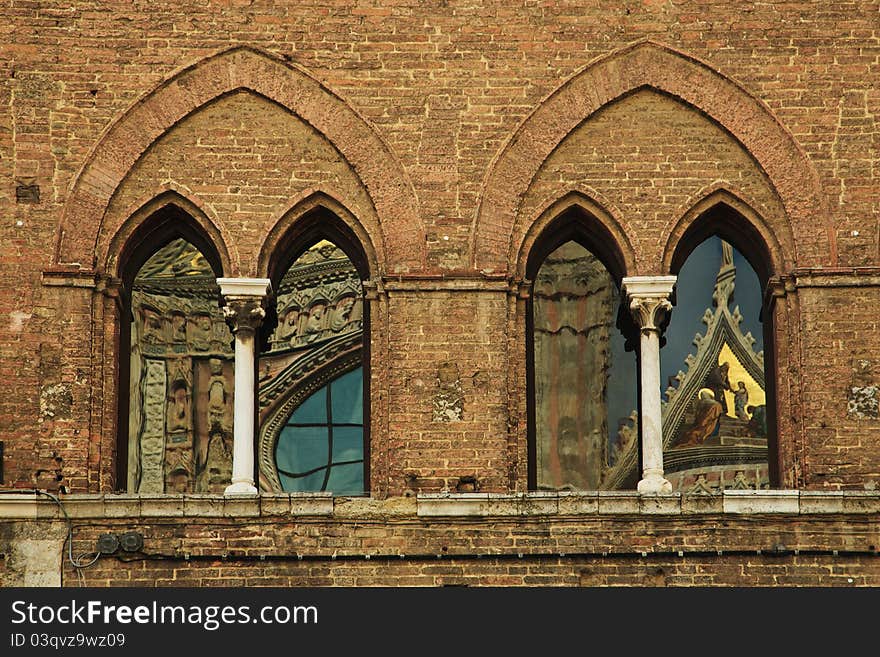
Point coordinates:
pixel 394 544
pixel 442 132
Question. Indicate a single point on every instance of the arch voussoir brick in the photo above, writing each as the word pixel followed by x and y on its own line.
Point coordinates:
pixel 497 232
pixel 402 242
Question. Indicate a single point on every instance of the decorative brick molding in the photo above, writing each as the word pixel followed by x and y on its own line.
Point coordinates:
pixel 646 64
pixel 126 139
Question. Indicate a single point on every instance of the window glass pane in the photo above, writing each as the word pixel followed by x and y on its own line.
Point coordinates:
pixel 320 333
pixel 301 449
pixel 347 479
pixel 308 484
pixel 585 383
pixel 714 415
pixel 348 444
pixel 312 411
pixel 347 396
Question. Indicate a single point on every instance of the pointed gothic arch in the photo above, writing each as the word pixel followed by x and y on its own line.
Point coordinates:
pixel 154 219
pixel 574 263
pixel 646 64
pixel 728 220
pixel 164 226
pixel 129 136
pixel 320 261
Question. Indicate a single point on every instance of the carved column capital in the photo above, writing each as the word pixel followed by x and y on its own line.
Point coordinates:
pixel 649 299
pixel 244 302
pixel 244 314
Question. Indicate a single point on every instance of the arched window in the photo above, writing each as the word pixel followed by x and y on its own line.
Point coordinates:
pixel 718 422
pixel 175 398
pixel 582 393
pixel 314 401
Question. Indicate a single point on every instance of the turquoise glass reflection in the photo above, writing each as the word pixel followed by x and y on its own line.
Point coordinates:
pixel 321 448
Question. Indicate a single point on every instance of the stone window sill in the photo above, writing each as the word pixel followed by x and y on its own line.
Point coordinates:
pixel 29 505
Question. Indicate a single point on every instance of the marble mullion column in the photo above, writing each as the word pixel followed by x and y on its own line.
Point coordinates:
pixel 244 310
pixel 648 298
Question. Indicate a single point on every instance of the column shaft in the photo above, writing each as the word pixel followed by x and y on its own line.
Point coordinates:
pixel 649 302
pixel 243 415
pixel 652 422
pixel 244 313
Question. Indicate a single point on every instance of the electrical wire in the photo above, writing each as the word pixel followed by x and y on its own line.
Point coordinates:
pixel 77 562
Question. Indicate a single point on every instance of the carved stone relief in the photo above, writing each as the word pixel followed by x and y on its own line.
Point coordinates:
pixel 320 297
pixel 180 434
pixel 152 434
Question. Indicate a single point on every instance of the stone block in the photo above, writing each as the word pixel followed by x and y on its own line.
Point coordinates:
pixel 122 506
pixel 761 501
pixel 539 503
pixel 500 504
pixel 202 505
pixel 19 506
pixel 660 504
pixel 274 504
pixel 453 504
pixel 158 506
pixel 241 506
pixel 861 501
pixel 818 501
pixel 618 502
pixel 571 503
pixel 84 505
pixel 691 504
pixel 311 504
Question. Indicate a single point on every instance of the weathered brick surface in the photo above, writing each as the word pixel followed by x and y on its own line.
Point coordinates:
pixel 468 331
pixel 444 131
pixel 842 449
pixel 648 159
pixel 566 551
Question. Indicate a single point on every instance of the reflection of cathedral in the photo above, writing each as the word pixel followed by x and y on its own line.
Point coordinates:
pixel 317 343
pixel 714 421
pixel 180 422
pixel 182 364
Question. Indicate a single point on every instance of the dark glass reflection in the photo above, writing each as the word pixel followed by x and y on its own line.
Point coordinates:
pixel 584 381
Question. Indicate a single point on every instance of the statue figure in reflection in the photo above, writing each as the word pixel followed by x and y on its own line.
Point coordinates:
pixel 706 419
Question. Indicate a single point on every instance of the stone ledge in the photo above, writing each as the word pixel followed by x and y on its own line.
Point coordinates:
pixel 31 506
pixel 812 501
pixel 618 502
pixel 27 505
pixel 19 505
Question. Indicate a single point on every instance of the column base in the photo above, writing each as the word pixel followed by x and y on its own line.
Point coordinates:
pixel 654 483
pixel 241 488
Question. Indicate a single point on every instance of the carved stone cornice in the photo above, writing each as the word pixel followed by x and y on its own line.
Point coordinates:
pixel 649 299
